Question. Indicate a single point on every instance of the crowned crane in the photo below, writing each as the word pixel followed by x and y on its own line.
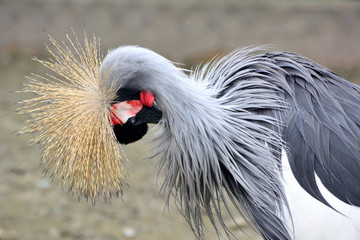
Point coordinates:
pixel 276 132
pixel 274 135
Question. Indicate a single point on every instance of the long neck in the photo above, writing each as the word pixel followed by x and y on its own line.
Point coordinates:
pixel 210 146
pixel 211 142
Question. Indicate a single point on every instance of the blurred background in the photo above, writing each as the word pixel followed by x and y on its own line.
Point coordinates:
pixel 189 32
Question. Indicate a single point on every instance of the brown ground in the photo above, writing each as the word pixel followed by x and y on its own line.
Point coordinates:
pixel 32 207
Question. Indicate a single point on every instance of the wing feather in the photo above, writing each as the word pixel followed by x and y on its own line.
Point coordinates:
pixel 323 128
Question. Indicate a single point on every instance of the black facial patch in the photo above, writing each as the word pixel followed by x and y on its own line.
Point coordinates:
pixel 128 133
pixel 127 94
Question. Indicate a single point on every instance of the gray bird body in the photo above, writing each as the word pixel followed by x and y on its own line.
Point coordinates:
pixel 226 126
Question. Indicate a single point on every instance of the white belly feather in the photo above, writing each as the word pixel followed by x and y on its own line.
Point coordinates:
pixel 312 220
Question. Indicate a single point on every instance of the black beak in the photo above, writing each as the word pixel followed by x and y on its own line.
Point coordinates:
pixel 148 115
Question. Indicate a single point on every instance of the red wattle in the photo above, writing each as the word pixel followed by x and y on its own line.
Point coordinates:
pixel 147 98
pixel 115 120
pixel 120 112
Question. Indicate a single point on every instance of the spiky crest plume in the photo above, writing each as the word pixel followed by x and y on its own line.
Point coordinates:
pixel 69 117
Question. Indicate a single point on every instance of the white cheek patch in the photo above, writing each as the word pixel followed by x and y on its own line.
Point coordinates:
pixel 122 111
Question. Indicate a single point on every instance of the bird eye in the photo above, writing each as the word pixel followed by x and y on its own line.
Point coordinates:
pixel 132 120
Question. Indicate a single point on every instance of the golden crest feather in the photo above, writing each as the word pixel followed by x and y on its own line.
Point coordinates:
pixel 69 117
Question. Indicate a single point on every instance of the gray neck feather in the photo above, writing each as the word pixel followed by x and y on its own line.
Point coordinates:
pixel 214 143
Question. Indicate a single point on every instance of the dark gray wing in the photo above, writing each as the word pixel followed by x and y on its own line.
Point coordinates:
pixel 323 128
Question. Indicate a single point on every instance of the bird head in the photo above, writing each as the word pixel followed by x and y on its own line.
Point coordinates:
pixel 143 82
pixel 130 113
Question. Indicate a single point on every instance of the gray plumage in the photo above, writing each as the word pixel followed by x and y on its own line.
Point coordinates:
pixel 225 124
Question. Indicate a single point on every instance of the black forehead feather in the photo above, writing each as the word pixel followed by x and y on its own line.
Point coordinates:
pixel 127 94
